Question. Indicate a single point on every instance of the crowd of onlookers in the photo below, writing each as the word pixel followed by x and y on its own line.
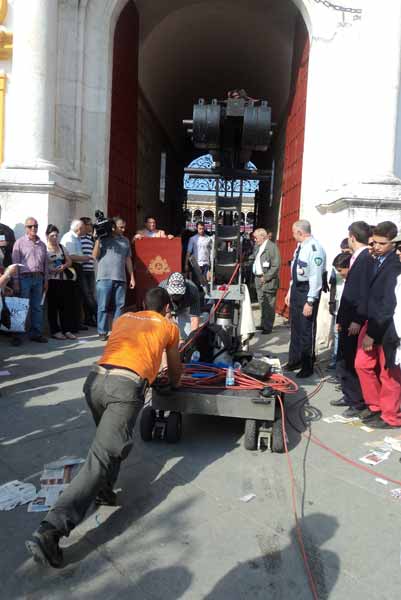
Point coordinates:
pixel 366 306
pixel 82 279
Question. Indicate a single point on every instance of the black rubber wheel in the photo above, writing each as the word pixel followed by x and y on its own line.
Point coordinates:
pixel 173 428
pixel 251 434
pixel 277 443
pixel 147 423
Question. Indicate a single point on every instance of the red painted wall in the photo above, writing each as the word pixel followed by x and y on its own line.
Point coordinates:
pixel 124 109
pixel 293 155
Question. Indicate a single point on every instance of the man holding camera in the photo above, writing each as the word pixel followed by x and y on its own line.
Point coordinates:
pixel 113 253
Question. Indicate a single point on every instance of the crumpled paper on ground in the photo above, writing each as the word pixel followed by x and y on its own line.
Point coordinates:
pixel 14 493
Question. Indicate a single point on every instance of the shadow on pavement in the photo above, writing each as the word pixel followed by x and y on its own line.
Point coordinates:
pixel 280 574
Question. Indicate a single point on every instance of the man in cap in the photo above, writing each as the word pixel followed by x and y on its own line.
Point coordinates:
pixel 307 268
pixel 185 302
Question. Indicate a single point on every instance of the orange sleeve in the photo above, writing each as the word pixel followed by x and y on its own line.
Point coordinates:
pixel 174 337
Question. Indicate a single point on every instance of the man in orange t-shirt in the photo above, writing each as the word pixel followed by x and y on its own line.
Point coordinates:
pixel 114 390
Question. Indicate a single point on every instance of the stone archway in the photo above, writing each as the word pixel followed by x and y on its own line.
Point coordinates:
pixel 98 24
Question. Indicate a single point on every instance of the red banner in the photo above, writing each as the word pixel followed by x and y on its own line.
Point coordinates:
pixel 155 259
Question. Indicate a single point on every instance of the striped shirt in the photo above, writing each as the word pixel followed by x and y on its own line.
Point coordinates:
pixel 87 243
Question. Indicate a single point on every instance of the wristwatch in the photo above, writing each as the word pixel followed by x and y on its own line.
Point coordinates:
pixel 309 302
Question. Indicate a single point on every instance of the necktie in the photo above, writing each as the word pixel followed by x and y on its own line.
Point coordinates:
pixel 377 264
pixel 295 264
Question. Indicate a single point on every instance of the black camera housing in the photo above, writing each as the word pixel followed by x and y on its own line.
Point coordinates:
pixel 103 226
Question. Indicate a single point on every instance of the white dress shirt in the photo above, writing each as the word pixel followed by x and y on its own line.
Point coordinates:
pixel 257 264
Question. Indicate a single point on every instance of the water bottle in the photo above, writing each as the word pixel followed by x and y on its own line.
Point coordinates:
pixel 230 376
pixel 195 356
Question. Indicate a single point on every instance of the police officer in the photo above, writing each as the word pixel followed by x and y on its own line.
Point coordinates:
pixel 307 268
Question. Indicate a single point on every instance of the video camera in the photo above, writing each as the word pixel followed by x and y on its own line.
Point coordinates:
pixel 103 226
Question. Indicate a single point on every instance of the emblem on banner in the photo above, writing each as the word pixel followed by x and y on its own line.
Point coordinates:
pixel 158 266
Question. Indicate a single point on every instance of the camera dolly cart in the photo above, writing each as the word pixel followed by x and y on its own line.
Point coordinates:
pixel 262 414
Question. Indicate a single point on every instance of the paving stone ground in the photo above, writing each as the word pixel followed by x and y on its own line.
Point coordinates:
pixel 180 530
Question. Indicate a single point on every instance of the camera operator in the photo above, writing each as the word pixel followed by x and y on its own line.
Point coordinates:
pixel 113 253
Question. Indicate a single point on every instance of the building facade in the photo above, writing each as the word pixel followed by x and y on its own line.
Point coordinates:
pixel 93 93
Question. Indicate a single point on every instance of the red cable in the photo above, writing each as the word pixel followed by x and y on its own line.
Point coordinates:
pixel 350 461
pixel 312 583
pixel 213 310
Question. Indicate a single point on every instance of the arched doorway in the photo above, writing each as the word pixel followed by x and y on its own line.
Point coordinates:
pixel 286 92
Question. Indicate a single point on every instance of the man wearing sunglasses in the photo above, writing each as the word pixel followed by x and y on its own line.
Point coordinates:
pixel 31 281
pixel 380 382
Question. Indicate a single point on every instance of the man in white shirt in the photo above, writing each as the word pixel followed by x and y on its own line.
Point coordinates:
pixel 72 243
pixel 200 246
pixel 266 268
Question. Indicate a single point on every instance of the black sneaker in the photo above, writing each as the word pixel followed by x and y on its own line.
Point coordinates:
pixel 106 498
pixel 368 415
pixel 339 402
pixel 16 341
pixel 304 373
pixel 351 412
pixel 44 546
pixel 293 366
pixel 39 338
pixel 103 337
pixel 378 423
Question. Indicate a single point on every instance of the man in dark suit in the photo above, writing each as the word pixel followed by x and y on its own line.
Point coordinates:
pixel 351 316
pixel 381 386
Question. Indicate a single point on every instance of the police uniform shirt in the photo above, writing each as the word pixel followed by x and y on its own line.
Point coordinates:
pixel 308 265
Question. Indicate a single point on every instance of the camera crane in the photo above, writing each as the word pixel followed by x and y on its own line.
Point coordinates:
pixel 230 130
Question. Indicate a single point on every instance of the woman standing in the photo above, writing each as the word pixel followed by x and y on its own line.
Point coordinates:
pixel 60 293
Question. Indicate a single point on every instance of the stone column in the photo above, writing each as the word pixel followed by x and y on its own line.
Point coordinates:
pixel 30 131
pixel 380 53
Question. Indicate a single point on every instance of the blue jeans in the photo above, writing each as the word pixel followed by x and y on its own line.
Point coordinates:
pixel 109 292
pixel 32 288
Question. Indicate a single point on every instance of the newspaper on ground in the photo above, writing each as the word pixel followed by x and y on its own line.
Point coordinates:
pixel 55 478
pixel 14 493
pixel 340 419
pixel 375 457
pixel 394 442
pixel 366 428
pixel 382 481
pixel 247 497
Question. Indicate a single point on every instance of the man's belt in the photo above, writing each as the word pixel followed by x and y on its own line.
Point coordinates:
pixel 31 274
pixel 143 384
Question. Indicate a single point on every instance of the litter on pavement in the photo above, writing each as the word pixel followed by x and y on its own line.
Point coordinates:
pixel 248 497
pixel 14 493
pixel 55 478
pixel 339 419
pixel 375 457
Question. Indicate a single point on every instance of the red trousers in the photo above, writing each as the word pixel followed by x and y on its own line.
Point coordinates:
pixel 381 387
